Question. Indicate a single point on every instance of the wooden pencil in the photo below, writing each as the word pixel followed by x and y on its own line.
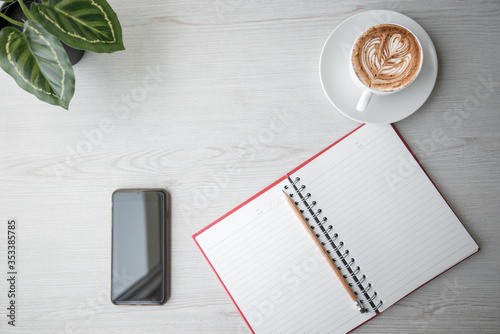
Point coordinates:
pixel 325 254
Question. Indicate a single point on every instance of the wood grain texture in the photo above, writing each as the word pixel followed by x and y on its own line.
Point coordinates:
pixel 213 101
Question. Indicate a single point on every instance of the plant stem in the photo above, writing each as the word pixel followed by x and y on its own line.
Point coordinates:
pixel 17 23
pixel 26 11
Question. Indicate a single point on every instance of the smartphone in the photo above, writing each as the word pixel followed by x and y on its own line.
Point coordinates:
pixel 139 272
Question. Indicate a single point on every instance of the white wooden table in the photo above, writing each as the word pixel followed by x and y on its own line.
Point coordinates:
pixel 214 100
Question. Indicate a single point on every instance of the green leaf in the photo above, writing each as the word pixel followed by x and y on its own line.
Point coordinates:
pixel 82 24
pixel 38 63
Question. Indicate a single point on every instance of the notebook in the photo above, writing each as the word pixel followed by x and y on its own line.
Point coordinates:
pixel 377 214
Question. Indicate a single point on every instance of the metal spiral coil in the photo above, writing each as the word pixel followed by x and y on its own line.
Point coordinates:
pixel 303 199
pixel 310 206
pixel 376 308
pixel 297 179
pixel 354 273
pixel 359 282
pixel 320 222
pixel 332 246
pixel 369 299
pixel 364 290
pixel 341 257
pixel 347 265
pixel 341 244
pixel 332 239
pixel 325 232
pixel 316 214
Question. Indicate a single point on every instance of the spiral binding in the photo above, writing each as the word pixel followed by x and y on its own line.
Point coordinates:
pixel 340 256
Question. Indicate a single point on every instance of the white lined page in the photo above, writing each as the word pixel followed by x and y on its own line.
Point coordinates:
pixel 394 222
pixel 274 271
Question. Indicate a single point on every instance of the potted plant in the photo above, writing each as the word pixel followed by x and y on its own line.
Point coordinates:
pixel 32 53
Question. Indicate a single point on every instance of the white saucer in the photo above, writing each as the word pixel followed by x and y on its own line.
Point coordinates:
pixel 344 94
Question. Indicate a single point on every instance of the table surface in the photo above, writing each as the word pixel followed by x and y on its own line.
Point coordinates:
pixel 201 88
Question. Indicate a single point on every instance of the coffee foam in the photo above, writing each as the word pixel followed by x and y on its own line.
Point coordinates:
pixel 386 57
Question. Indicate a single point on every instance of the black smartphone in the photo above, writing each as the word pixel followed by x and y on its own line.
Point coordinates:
pixel 139 271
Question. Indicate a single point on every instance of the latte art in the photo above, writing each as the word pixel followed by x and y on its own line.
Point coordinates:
pixel 386 57
pixel 390 65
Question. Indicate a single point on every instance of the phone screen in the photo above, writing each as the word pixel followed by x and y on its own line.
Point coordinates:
pixel 138 247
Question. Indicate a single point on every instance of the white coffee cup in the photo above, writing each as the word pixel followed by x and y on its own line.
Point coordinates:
pixel 368 92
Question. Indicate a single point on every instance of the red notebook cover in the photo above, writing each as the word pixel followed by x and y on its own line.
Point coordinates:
pixel 277 182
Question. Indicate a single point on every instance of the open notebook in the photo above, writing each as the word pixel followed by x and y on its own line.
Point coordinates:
pixel 378 215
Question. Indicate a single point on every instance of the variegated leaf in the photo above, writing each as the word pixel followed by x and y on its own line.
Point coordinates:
pixel 82 24
pixel 38 63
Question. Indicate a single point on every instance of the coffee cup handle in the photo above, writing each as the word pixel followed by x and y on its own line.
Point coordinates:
pixel 364 100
